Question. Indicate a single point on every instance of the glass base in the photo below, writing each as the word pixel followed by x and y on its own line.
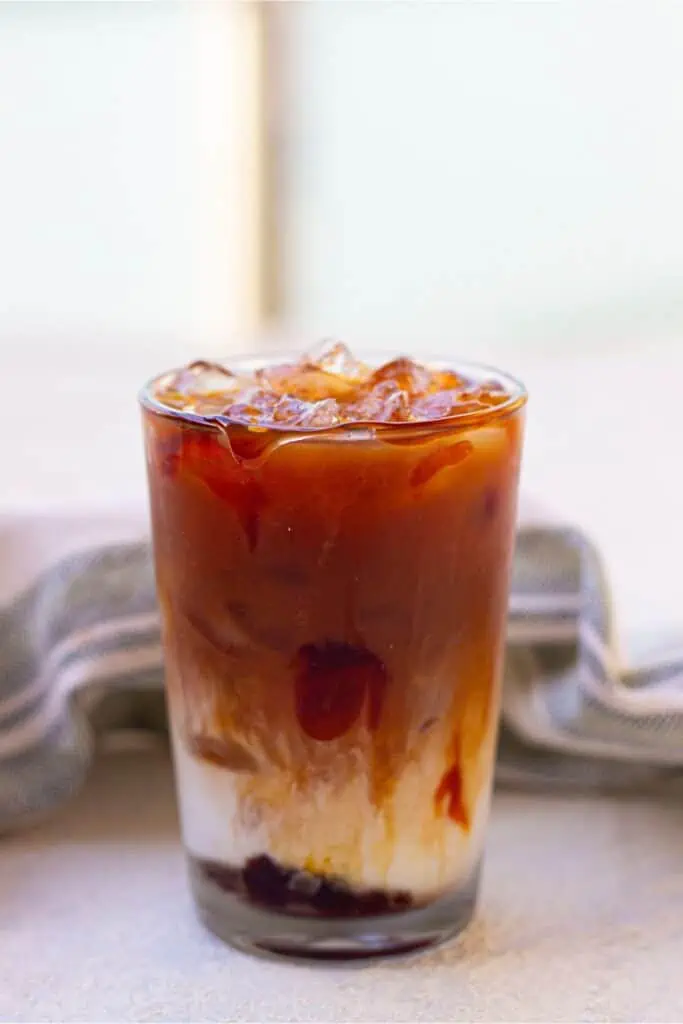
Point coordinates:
pixel 349 940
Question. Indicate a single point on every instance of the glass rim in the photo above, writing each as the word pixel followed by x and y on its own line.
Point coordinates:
pixel 517 397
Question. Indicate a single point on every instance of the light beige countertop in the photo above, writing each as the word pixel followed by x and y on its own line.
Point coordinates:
pixel 581 918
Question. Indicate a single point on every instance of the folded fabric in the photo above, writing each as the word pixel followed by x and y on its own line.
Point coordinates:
pixel 80 655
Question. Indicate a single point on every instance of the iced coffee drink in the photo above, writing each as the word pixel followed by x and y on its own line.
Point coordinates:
pixel 332 541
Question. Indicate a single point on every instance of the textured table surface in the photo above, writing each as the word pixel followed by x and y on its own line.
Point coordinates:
pixel 581 919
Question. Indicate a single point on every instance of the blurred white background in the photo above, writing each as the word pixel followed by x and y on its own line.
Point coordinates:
pixel 477 174
pixel 456 175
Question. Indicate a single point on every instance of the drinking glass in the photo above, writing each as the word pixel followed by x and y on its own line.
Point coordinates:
pixel 333 609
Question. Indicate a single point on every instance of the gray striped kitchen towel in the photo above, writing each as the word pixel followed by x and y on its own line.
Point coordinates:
pixel 80 656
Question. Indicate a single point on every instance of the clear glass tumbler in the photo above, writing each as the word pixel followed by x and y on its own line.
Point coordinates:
pixel 334 606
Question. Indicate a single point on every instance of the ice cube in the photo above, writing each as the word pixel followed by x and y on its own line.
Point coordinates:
pixel 386 402
pixel 207 405
pixel 278 379
pixel 435 405
pixel 253 406
pixel 446 380
pixel 297 412
pixel 406 374
pixel 202 378
pixel 336 358
pixel 306 383
pixel 492 392
pixel 322 414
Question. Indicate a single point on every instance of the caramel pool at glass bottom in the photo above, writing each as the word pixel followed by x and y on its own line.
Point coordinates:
pixel 341 940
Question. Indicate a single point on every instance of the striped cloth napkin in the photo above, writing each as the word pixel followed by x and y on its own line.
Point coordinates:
pixel 80 657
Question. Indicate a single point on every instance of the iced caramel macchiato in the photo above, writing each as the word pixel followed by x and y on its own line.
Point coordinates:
pixel 332 541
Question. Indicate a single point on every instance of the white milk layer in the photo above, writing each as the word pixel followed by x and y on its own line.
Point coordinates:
pixel 411 845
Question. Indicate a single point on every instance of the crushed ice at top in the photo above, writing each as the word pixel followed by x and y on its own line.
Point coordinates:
pixel 326 388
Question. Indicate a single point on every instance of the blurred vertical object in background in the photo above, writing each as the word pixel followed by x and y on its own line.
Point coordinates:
pixel 131 177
